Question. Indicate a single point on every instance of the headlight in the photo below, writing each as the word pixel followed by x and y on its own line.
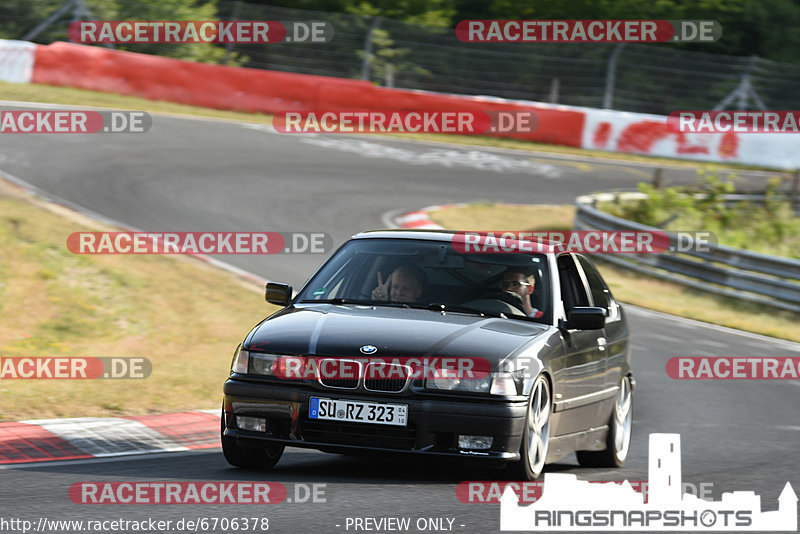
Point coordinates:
pixel 447 380
pixel 254 363
pixel 263 364
pixel 478 385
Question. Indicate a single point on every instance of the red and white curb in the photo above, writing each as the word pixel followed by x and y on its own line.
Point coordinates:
pixel 97 437
pixel 420 219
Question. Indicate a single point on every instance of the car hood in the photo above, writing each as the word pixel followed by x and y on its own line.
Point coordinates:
pixel 341 330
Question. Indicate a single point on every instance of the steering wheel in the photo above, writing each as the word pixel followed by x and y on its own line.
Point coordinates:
pixel 509 298
pixel 512 303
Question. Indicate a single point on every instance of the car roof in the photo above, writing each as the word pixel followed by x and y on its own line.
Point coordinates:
pixel 447 236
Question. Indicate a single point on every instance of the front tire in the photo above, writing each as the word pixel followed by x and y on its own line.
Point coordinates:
pixel 249 457
pixel 536 437
pixel 619 432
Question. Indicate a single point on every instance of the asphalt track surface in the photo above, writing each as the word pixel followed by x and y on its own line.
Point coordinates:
pixel 202 175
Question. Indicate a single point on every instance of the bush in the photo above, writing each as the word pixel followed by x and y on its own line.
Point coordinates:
pixel 770 227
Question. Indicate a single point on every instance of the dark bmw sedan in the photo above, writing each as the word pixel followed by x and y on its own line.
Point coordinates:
pixel 410 342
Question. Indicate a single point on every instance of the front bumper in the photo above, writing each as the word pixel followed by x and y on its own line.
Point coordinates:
pixel 434 421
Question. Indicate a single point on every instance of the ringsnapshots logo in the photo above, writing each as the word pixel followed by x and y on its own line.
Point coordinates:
pixel 37 121
pixel 588 31
pixel 569 504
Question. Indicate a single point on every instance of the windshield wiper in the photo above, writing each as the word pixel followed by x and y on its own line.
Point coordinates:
pixel 437 306
pixel 336 301
pixel 360 302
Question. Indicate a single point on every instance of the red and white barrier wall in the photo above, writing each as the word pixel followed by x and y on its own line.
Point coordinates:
pixel 16 61
pixel 637 133
pixel 237 88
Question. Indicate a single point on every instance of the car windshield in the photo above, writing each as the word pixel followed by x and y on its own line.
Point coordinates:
pixel 433 275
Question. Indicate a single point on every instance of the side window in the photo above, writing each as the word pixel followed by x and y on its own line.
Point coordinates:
pixel 573 291
pixel 600 293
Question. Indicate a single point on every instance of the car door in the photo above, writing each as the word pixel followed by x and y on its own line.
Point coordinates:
pixel 580 373
pixel 616 330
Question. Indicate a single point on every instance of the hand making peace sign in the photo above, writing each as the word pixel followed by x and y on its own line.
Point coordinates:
pixel 382 291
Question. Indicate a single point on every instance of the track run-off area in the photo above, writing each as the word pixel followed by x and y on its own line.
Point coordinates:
pixel 193 174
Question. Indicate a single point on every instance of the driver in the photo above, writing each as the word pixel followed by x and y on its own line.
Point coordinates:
pixel 405 285
pixel 521 283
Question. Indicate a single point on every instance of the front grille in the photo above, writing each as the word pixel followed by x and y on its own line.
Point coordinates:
pixel 365 435
pixel 385 384
pixel 343 383
pixel 375 377
pixel 331 374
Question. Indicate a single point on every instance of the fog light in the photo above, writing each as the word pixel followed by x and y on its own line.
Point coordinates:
pixel 475 442
pixel 254 424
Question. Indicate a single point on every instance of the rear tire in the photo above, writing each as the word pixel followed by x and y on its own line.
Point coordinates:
pixel 536 437
pixel 249 457
pixel 619 432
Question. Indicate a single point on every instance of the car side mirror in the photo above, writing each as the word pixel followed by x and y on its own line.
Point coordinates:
pixel 586 318
pixel 280 294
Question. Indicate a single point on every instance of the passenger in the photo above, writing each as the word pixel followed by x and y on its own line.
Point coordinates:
pixel 405 285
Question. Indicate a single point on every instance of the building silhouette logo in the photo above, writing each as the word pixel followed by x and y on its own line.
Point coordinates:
pixel 569 504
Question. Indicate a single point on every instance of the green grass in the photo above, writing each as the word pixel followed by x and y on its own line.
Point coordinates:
pixel 81 97
pixel 183 315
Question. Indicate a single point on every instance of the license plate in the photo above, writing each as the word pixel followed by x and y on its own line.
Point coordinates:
pixel 358 412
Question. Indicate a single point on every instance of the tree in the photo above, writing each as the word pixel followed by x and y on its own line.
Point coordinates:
pixel 18 17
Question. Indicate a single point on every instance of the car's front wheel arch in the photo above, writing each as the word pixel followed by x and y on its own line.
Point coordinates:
pixel 535 441
pixel 620 429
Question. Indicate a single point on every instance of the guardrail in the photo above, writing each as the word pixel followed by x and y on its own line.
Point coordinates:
pixel 722 270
